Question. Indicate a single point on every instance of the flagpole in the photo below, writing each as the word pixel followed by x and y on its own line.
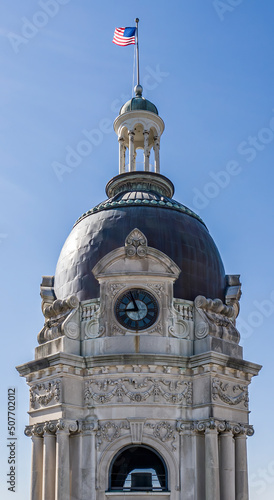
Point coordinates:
pixel 137 51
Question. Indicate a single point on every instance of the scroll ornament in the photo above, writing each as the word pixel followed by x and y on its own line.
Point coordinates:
pixel 136 244
pixel 214 318
pixel 61 318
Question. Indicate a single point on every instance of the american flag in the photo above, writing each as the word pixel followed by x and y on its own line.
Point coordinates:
pixel 124 36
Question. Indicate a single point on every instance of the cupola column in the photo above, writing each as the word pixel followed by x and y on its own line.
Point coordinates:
pixel 134 160
pixel 122 153
pixel 146 151
pixel 131 135
pixel 156 148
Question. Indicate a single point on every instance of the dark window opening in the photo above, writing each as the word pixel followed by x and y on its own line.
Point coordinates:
pixel 138 468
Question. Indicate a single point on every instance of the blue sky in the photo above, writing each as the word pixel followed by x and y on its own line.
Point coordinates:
pixel 208 67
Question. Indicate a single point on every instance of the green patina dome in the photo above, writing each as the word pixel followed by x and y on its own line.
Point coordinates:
pixel 137 103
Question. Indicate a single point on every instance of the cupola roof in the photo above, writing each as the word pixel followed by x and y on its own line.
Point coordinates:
pixel 138 103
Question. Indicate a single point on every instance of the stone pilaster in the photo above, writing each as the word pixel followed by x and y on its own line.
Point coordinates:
pixel 36 433
pixel 227 462
pixel 62 461
pixel 49 454
pixel 241 461
pixel 89 427
pixel 188 471
pixel 212 482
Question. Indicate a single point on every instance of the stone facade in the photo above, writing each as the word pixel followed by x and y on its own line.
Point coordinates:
pixel 178 388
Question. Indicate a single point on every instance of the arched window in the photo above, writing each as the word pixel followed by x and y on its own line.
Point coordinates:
pixel 137 468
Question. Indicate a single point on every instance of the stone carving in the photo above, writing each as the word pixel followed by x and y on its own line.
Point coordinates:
pixel 136 244
pixel 91 313
pixel 184 309
pixel 157 329
pixel 182 319
pixel 136 429
pixel 157 288
pixel 117 330
pixel 42 394
pixel 58 318
pixel 51 427
pixel 90 309
pixel 163 431
pixel 90 424
pixel 137 390
pixel 110 431
pixel 221 426
pixel 220 390
pixel 214 318
pixel 233 292
pixel 114 288
pixel 34 430
pixel 70 426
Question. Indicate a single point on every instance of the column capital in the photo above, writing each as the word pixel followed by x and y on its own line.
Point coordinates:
pixel 28 430
pixel 89 425
pixel 37 430
pixel 67 426
pixel 50 428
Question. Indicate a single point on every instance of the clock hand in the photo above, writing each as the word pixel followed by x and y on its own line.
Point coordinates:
pixel 134 303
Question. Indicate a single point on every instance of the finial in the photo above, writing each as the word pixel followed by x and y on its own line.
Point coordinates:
pixel 138 89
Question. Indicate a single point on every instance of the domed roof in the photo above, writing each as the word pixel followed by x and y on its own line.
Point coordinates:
pixel 138 103
pixel 138 202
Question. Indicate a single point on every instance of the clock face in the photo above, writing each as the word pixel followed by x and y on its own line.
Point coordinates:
pixel 136 309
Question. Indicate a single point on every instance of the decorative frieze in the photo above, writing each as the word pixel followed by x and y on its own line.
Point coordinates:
pixel 231 394
pixel 45 394
pixel 138 390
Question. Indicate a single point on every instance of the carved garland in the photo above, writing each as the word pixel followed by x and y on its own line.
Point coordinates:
pixel 42 394
pixel 164 431
pixel 153 387
pixel 219 389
